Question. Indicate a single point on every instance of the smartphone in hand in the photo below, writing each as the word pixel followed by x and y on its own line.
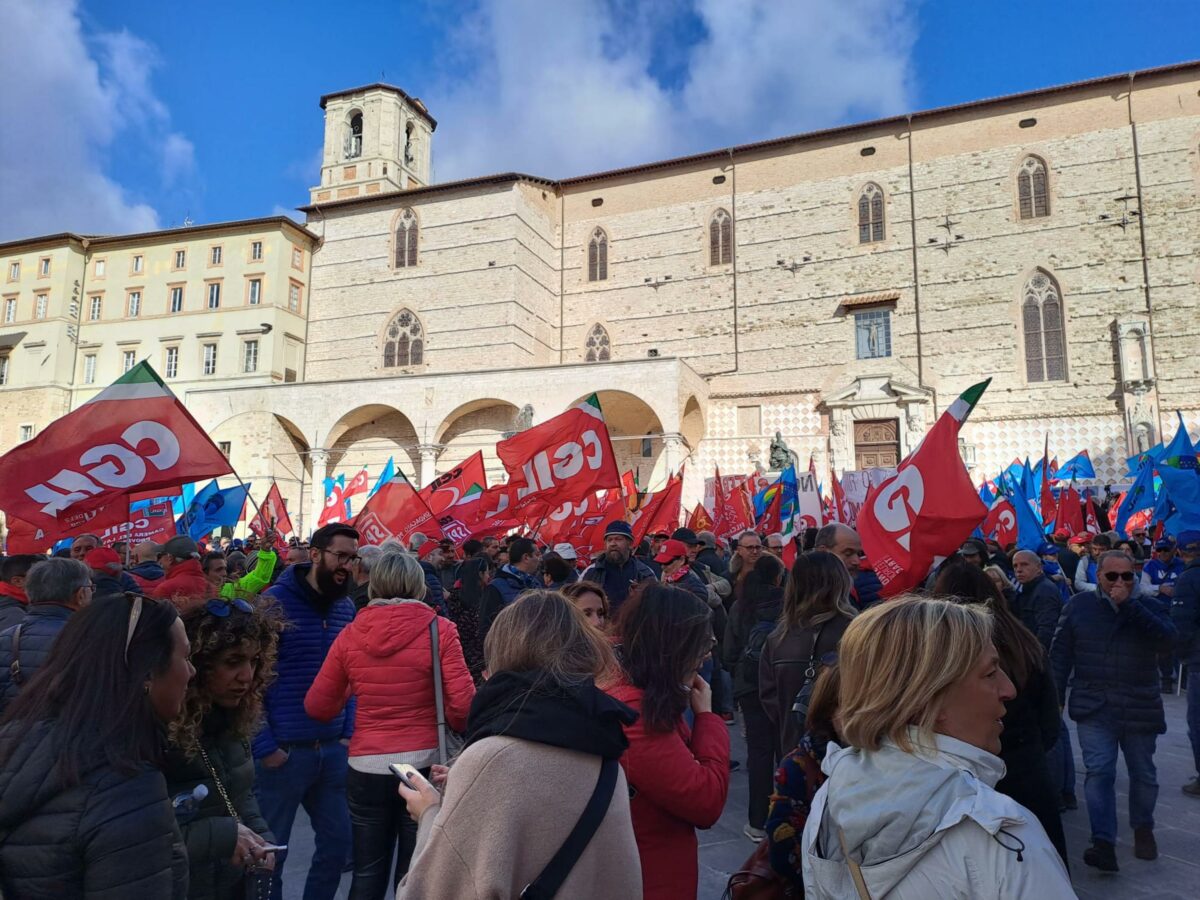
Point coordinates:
pixel 403 771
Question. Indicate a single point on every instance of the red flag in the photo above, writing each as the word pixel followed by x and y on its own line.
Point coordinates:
pixel 1001 522
pixel 566 458
pixel 359 484
pixel 1069 512
pixel 335 506
pixel 926 509
pixel 396 510
pixel 660 510
pixel 731 512
pixel 771 520
pixel 841 506
pixel 582 524
pixel 133 435
pixel 700 520
pixel 450 487
pixel 1091 523
pixel 272 514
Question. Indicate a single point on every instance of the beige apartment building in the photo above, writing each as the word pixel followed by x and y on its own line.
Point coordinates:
pixel 839 287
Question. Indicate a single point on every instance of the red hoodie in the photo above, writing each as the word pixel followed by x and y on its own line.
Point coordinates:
pixel 184 584
pixel 384 659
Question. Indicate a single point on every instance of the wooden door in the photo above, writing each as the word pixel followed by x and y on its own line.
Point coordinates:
pixel 877 443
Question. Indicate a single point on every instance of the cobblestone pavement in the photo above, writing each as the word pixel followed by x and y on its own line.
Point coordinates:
pixel 1174 876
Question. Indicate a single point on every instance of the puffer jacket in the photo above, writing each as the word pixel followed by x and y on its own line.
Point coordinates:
pixel 925 824
pixel 184 585
pixel 679 781
pixel 12 605
pixel 303 645
pixel 384 658
pixel 1113 657
pixel 210 834
pixel 1186 614
pixel 110 837
pixel 506 585
pixel 39 628
pixel 435 596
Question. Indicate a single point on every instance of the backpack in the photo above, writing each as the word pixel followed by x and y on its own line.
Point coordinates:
pixel 752 652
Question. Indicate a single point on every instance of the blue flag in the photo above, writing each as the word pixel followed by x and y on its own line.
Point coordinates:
pixel 1134 463
pixel 388 473
pixel 1140 496
pixel 1182 488
pixel 1180 453
pixel 214 508
pixel 1027 506
pixel 1077 467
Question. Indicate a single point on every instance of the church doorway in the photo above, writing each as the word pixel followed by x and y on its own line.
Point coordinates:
pixel 877 444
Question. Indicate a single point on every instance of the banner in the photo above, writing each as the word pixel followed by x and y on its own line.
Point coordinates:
pixel 272 514
pixel 809 513
pixel 659 511
pixel 133 435
pixel 154 523
pixel 396 510
pixel 855 485
pixel 565 458
pixel 733 511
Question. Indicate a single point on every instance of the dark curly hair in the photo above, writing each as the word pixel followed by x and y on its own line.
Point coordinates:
pixel 211 636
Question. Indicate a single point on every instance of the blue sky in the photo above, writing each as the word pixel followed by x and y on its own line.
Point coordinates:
pixel 142 112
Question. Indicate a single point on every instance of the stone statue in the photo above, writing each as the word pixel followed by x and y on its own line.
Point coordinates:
pixel 915 416
pixel 780 457
pixel 524 420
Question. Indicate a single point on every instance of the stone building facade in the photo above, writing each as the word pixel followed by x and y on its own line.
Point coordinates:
pixel 839 287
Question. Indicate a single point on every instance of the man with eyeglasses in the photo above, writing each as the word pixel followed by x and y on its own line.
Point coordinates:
pixel 56 588
pixel 1108 640
pixel 298 760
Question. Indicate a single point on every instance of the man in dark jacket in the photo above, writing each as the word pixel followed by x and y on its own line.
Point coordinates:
pixel 13 600
pixel 1109 640
pixel 298 759
pixel 708 555
pixel 1186 612
pixel 513 579
pixel 430 556
pixel 617 570
pixel 56 588
pixel 147 568
pixel 1038 602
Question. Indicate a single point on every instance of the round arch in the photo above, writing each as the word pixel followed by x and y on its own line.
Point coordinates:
pixel 691 426
pixel 636 432
pixel 476 425
pixel 366 436
pixel 265 447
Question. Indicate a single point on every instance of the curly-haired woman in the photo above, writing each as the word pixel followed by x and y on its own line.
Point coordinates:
pixel 233 650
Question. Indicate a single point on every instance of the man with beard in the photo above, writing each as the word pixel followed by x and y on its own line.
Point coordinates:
pixel 617 571
pixel 299 760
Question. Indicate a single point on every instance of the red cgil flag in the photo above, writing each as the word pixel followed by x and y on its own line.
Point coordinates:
pixel 1001 522
pixel 134 435
pixel 565 458
pixel 451 487
pixel 927 509
pixel 359 484
pixel 272 514
pixel 732 513
pixel 398 511
pixel 660 511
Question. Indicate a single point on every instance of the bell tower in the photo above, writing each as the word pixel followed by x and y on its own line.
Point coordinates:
pixel 377 140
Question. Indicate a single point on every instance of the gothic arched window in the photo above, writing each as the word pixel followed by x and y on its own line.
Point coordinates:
pixel 404 341
pixel 1032 194
pixel 598 256
pixel 870 214
pixel 354 136
pixel 597 346
pixel 1042 322
pixel 720 239
pixel 405 240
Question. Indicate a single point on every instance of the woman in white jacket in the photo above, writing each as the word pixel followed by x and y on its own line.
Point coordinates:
pixel 909 811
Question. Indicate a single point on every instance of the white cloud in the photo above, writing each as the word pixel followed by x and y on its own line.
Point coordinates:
pixel 69 99
pixel 566 88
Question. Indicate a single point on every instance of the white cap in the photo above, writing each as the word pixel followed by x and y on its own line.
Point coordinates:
pixel 566 551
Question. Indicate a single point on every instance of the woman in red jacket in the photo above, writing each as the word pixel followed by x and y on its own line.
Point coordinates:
pixel 679 777
pixel 385 659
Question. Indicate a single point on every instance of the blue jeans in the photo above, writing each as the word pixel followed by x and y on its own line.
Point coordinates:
pixel 1099 744
pixel 313 776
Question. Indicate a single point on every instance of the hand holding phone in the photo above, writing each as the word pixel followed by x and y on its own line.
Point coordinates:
pixel 403 771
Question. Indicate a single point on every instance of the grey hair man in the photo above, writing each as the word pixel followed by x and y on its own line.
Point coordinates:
pixel 56 588
pixel 844 543
pixel 360 571
pixel 1037 603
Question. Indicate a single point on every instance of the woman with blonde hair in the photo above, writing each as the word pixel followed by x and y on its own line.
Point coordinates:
pixel 540 763
pixel 233 651
pixel 385 659
pixel 909 809
pixel 816 613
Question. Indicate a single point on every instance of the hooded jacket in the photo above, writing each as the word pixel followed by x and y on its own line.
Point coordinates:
pixel 925 824
pixel 311 628
pixel 533 755
pixel 110 837
pixel 147 573
pixel 185 585
pixel 384 657
pixel 679 780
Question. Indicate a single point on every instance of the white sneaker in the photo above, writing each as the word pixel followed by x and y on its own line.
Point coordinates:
pixel 755 834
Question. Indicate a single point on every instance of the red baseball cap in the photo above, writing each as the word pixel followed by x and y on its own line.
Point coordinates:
pixel 671 549
pixel 1084 537
pixel 1062 533
pixel 101 558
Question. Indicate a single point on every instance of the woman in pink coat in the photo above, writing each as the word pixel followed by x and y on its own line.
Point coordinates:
pixel 384 658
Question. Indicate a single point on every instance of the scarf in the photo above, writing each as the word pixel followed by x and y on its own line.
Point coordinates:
pixel 534 707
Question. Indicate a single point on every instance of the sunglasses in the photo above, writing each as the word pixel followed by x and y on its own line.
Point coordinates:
pixel 1110 577
pixel 222 609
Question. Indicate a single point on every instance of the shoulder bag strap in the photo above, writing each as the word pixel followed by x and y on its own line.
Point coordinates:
pixel 546 885
pixel 220 786
pixel 14 670
pixel 860 883
pixel 438 696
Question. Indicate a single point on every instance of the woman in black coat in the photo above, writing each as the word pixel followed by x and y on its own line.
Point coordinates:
pixel 233 650
pixel 1032 720
pixel 84 809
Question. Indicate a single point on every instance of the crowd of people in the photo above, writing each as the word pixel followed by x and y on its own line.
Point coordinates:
pixel 508 719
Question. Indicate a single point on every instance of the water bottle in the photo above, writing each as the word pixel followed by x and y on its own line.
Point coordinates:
pixel 187 804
